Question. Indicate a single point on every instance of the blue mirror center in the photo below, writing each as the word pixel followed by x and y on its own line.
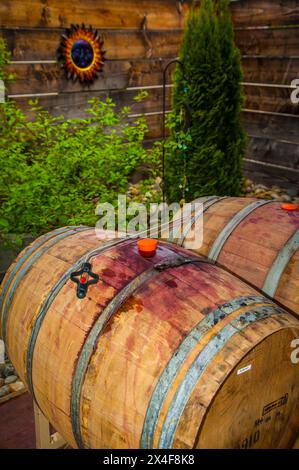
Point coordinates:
pixel 82 54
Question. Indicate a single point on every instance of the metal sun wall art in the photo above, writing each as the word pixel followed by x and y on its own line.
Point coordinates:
pixel 81 53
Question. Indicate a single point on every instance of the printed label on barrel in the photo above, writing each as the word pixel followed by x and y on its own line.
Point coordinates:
pixel 270 412
pixel 275 404
pixel 244 369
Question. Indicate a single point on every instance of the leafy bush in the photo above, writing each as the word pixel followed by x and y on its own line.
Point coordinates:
pixel 55 171
pixel 207 159
pixel 4 61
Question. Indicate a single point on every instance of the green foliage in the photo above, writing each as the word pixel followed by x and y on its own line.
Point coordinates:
pixel 4 61
pixel 54 171
pixel 207 159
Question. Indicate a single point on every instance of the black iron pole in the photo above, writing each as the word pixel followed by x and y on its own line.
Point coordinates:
pixel 174 61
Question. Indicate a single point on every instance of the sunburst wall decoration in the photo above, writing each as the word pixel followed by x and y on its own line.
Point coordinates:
pixel 81 53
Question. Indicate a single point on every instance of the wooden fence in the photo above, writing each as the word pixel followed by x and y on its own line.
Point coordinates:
pixel 140 37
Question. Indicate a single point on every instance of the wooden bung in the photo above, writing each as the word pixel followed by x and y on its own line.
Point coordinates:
pixel 257 240
pixel 163 352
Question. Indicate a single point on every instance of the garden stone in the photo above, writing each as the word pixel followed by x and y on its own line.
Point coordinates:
pixel 16 386
pixel 292 192
pixel 9 370
pixel 11 379
pixel 2 352
pixel 275 196
pixel 261 186
pixel 261 191
pixel 261 194
pixel 4 391
pixel 134 190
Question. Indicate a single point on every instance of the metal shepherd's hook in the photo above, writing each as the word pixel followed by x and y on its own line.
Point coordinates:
pixel 180 63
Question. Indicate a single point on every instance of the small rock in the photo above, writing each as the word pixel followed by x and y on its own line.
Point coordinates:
pixel 134 191
pixel 276 189
pixel 4 391
pixel 11 379
pixel 1 382
pixel 275 196
pixel 16 386
pixel 248 183
pixel 9 370
pixel 156 187
pixel 2 352
pixel 260 192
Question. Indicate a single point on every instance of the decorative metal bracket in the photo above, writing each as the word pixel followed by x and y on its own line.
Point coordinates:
pixel 81 278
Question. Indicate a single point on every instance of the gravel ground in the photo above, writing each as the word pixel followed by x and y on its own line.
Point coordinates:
pixel 261 191
pixel 250 189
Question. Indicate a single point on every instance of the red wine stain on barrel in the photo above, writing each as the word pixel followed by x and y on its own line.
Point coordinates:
pixel 108 272
pixel 171 283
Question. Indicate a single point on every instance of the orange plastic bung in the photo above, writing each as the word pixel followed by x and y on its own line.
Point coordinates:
pixel 147 247
pixel 290 207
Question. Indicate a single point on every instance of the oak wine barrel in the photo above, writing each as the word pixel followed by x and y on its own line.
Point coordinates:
pixel 164 352
pixel 255 239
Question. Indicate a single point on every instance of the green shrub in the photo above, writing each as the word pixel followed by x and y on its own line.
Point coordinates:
pixel 4 61
pixel 55 171
pixel 208 159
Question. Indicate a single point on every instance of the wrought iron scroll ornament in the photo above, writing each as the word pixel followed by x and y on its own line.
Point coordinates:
pixel 81 53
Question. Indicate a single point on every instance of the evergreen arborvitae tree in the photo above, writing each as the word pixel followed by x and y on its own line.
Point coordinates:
pixel 208 159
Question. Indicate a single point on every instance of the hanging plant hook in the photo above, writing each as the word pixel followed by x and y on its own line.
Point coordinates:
pixel 187 111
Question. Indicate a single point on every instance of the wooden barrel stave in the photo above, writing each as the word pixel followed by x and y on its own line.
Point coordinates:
pixel 288 292
pixel 216 218
pixel 268 230
pixel 108 264
pixel 206 388
pixel 46 270
pixel 141 337
pixel 255 244
pixel 59 314
pixel 222 407
pixel 158 307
